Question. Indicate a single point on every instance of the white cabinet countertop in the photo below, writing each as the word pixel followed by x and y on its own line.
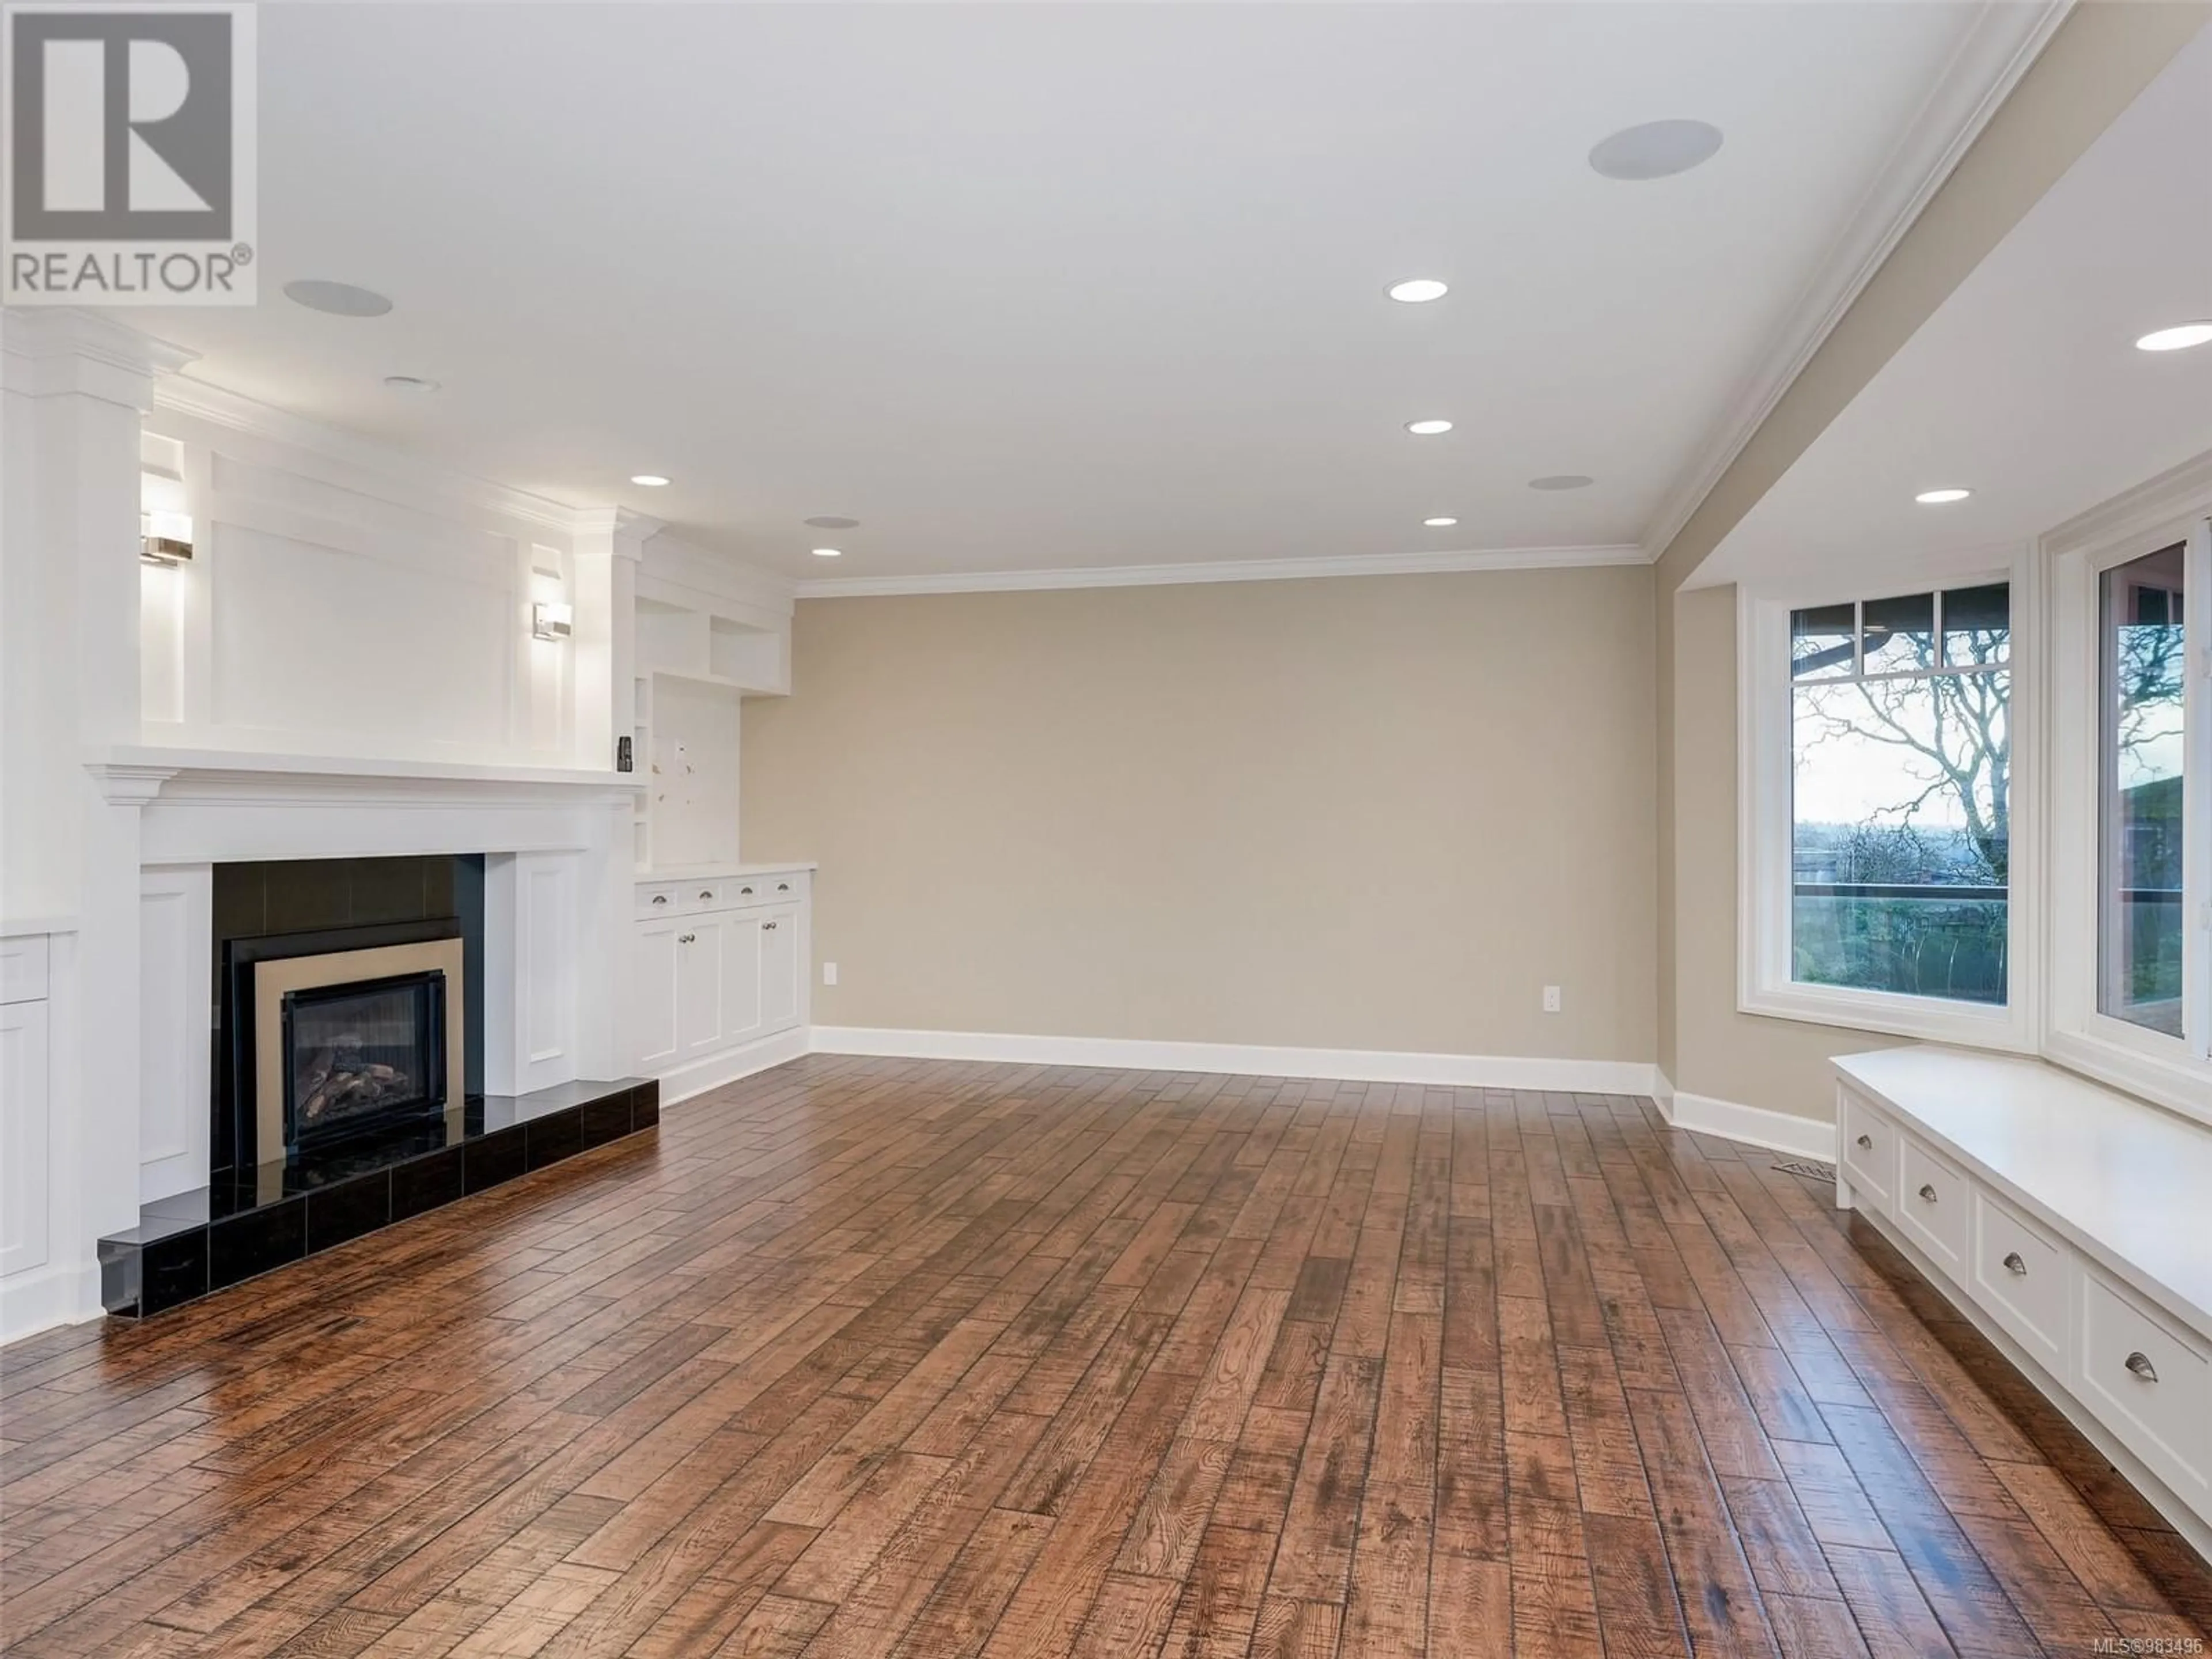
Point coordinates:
pixel 2128 1183
pixel 718 872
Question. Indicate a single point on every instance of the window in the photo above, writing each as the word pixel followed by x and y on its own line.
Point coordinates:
pixel 2140 924
pixel 2129 963
pixel 1901 794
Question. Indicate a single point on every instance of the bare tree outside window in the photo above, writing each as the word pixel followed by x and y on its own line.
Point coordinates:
pixel 1902 760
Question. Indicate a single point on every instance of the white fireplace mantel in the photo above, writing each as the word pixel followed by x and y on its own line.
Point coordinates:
pixel 213 806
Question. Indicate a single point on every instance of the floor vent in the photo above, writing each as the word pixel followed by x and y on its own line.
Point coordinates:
pixel 1811 1169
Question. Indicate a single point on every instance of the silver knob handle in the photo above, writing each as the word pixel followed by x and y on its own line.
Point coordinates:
pixel 685 939
pixel 1867 1141
pixel 706 893
pixel 1927 1192
pixel 660 898
pixel 768 927
pixel 2141 1365
pixel 2014 1263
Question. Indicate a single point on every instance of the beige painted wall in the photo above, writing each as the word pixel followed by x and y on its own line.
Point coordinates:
pixel 1780 1065
pixel 1370 813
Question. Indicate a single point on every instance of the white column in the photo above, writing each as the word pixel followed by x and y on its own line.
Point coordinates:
pixel 76 387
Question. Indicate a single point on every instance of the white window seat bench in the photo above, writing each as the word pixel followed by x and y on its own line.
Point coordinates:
pixel 2072 1225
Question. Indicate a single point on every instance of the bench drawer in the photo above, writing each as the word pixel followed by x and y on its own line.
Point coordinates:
pixel 2151 1384
pixel 1867 1144
pixel 1933 1201
pixel 2020 1278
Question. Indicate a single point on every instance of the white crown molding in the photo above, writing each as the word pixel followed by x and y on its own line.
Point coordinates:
pixel 1589 1077
pixel 624 531
pixel 2007 37
pixel 1236 570
pixel 56 353
pixel 2178 491
pixel 674 562
pixel 200 400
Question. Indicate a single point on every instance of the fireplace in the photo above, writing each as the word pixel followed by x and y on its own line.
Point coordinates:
pixel 351 1042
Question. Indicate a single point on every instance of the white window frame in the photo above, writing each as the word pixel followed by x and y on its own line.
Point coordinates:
pixel 2175 1072
pixel 1765 829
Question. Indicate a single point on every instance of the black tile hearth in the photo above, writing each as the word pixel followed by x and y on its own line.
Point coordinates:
pixel 214 1236
pixel 427 1183
pixel 243 1245
pixel 549 1139
pixel 492 1159
pixel 343 1212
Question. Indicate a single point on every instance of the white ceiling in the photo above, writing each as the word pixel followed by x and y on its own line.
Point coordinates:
pixel 2024 385
pixel 1049 287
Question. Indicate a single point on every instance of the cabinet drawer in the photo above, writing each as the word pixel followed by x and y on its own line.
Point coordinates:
pixel 1866 1143
pixel 23 969
pixel 748 890
pixel 2151 1384
pixel 1933 1201
pixel 660 899
pixel 2020 1277
pixel 701 895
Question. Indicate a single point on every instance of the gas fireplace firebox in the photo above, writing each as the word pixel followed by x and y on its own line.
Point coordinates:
pixel 350 1042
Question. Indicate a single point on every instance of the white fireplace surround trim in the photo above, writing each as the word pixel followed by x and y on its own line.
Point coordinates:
pixel 556 845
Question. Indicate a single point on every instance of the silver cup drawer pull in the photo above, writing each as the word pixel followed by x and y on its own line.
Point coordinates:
pixel 2139 1363
pixel 660 898
pixel 2013 1264
pixel 707 895
pixel 1867 1142
pixel 1927 1192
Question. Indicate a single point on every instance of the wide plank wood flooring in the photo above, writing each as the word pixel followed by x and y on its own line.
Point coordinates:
pixel 868 1357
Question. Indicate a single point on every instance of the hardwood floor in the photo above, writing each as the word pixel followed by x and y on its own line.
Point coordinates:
pixel 866 1356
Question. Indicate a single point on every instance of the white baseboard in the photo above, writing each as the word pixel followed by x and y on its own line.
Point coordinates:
pixel 1755 1126
pixel 680 1083
pixel 46 1297
pixel 1586 1077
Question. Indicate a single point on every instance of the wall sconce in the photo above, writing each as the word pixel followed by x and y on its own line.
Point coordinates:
pixel 550 620
pixel 165 538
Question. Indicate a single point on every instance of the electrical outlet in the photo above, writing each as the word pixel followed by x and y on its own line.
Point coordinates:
pixel 1551 998
pixel 829 973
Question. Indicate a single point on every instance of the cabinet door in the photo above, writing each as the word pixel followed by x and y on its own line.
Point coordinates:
pixel 699 985
pixel 779 968
pixel 653 956
pixel 24 1113
pixel 742 940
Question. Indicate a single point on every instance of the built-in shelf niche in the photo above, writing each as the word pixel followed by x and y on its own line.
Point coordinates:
pixel 696 660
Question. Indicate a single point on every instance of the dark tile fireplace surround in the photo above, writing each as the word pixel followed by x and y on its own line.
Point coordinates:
pixel 374 1127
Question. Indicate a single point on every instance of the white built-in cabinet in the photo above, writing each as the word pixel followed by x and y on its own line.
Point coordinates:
pixel 2067 1223
pixel 35 1288
pixel 719 972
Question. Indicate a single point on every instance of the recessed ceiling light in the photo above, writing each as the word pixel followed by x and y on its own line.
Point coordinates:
pixel 2179 337
pixel 1438 524
pixel 1562 481
pixel 1417 290
pixel 829 552
pixel 831 521
pixel 650 480
pixel 1427 429
pixel 1941 497
pixel 1656 150
pixel 410 383
pixel 338 299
